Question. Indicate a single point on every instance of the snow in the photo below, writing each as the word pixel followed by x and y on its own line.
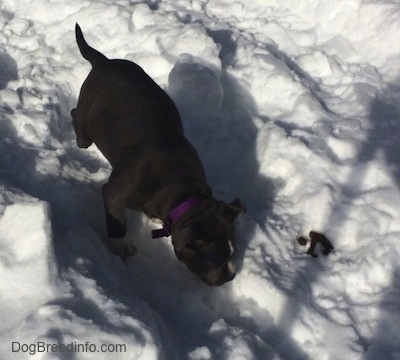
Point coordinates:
pixel 293 107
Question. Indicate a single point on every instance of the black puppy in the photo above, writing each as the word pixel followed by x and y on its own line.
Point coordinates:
pixel 156 170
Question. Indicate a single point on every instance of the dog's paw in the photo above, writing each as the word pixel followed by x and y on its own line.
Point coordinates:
pixel 122 247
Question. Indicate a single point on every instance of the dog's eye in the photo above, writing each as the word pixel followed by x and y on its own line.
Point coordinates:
pixel 194 244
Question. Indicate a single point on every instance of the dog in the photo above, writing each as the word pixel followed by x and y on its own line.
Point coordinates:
pixel 155 169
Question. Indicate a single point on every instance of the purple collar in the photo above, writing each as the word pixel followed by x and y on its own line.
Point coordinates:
pixel 175 214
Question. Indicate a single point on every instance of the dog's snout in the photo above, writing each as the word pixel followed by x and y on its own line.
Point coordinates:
pixel 232 247
pixel 231 267
pixel 221 275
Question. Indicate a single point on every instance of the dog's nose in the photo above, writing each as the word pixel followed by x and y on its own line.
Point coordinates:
pixel 222 275
pixel 231 276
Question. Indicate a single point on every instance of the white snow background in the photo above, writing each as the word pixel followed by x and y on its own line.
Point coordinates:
pixel 294 107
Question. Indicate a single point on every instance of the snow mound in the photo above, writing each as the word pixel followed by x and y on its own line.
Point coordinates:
pixel 27 266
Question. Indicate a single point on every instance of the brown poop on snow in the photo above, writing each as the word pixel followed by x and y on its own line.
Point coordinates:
pixel 327 246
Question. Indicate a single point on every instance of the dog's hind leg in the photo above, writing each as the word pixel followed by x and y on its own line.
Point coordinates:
pixel 82 139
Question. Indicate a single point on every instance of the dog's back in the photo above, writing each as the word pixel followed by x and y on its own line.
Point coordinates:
pixel 117 95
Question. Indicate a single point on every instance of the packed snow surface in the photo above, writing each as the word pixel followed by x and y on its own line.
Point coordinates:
pixel 293 106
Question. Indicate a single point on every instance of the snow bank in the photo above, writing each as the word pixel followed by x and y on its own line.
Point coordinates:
pixel 27 264
pixel 293 108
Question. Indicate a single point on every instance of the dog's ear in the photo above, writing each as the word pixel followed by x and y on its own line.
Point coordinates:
pixel 232 210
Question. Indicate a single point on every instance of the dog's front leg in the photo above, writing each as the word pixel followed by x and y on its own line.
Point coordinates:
pixel 118 241
pixel 122 247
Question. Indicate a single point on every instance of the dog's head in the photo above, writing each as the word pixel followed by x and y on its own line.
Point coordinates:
pixel 205 242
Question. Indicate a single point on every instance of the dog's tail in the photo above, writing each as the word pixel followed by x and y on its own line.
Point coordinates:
pixel 92 55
